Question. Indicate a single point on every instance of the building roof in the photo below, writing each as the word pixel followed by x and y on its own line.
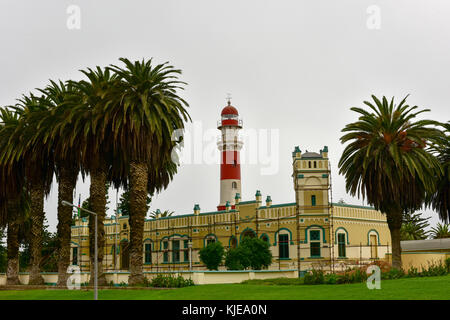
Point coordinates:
pixel 311 155
pixel 424 245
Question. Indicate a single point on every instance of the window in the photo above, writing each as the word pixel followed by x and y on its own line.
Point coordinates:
pixel 309 164
pixel 341 245
pixel 265 238
pixel 186 250
pixel 314 236
pixel 283 244
pixel 148 253
pixel 166 251
pixel 234 185
pixel 124 226
pixel 315 164
pixel 210 240
pixel 75 256
pixel 176 251
pixel 313 200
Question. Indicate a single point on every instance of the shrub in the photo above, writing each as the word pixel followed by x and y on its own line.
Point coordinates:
pixel 447 264
pixel 236 259
pixel 314 277
pixel 169 281
pixel 212 255
pixel 251 253
pixel 413 272
pixel 331 278
pixel 393 274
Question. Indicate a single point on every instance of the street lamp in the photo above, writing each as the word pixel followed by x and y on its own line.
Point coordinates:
pixel 66 203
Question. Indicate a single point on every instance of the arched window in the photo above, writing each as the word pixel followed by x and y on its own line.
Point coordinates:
pixel 265 238
pixel 234 185
pixel 341 244
pixel 315 164
pixel 309 164
pixel 314 243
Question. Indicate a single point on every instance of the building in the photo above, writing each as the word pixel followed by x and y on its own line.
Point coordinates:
pixel 309 231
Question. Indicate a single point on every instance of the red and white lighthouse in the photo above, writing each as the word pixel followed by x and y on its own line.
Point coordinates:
pixel 230 165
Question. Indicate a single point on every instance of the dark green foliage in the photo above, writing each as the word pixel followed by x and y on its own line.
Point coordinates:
pixel 124 203
pixel 314 277
pixel 212 255
pixel 168 281
pixel 413 227
pixel 251 253
pixel 447 264
pixel 236 259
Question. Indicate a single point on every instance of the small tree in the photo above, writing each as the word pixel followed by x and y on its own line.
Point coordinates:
pixel 251 253
pixel 212 255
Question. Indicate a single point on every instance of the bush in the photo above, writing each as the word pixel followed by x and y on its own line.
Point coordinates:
pixel 212 255
pixel 393 274
pixel 169 281
pixel 314 277
pixel 236 259
pixel 251 253
pixel 447 264
pixel 331 278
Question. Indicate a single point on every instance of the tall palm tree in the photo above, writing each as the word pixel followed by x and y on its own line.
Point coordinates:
pixel 143 118
pixel 386 161
pixel 96 148
pixel 13 196
pixel 440 199
pixel 56 129
pixel 38 169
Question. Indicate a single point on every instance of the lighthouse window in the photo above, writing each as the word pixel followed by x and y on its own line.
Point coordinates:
pixel 234 185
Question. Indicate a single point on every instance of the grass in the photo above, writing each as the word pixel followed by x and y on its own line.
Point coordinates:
pixel 408 288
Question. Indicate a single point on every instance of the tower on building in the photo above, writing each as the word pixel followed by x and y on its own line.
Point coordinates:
pixel 229 146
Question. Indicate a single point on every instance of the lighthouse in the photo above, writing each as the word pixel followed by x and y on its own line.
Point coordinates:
pixel 230 166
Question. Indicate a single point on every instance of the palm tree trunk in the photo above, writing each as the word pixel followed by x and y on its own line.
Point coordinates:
pixel 37 224
pixel 12 271
pixel 394 220
pixel 97 200
pixel 138 210
pixel 67 182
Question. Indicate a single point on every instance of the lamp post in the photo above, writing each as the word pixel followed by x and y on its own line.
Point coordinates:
pixel 190 255
pixel 66 203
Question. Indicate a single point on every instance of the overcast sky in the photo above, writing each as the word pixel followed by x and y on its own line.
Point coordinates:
pixel 292 66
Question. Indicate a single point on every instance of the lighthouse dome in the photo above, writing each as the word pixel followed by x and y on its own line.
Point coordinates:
pixel 229 110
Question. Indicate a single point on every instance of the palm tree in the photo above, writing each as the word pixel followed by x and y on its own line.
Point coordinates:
pixel 386 161
pixel 13 195
pixel 165 213
pixel 56 129
pixel 440 231
pixel 414 227
pixel 440 200
pixel 38 172
pixel 91 125
pixel 143 118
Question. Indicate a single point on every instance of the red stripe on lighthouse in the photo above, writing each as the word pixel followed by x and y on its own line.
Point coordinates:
pixel 230 167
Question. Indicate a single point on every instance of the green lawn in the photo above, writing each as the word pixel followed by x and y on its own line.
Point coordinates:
pixel 409 288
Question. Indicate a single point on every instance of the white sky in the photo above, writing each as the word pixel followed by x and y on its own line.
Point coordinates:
pixel 296 66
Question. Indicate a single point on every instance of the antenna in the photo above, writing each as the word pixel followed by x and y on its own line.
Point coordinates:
pixel 229 98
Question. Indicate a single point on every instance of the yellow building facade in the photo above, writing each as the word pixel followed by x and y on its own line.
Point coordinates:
pixel 311 231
